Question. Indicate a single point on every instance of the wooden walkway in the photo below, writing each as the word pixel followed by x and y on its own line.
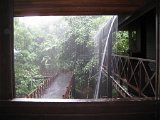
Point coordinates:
pixel 58 87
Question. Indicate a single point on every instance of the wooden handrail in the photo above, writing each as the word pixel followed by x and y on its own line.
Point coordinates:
pixel 134 58
pixel 38 92
pixel 67 93
pixel 137 74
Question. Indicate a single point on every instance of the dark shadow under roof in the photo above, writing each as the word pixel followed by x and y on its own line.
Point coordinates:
pixel 75 7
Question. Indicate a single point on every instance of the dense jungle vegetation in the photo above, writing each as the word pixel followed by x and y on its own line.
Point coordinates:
pixel 56 44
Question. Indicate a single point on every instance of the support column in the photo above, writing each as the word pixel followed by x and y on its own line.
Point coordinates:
pixel 157 83
pixel 6 50
pixel 109 91
pixel 73 86
pixel 158 39
pixel 158 49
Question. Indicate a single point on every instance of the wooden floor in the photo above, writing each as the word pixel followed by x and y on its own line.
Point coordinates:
pixel 58 88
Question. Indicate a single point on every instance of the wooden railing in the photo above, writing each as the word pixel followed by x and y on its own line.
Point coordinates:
pixel 135 75
pixel 38 92
pixel 68 91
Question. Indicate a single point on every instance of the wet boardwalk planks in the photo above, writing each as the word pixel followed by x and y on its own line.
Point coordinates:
pixel 58 87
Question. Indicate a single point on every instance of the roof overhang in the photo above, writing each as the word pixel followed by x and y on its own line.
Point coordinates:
pixel 75 7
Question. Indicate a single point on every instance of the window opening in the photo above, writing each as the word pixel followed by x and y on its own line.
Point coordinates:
pixel 79 57
pixel 56 51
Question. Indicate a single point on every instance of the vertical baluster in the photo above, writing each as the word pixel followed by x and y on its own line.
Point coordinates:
pixel 48 82
pixel 34 95
pixel 38 93
pixel 120 71
pixel 128 71
pixel 40 90
pixel 44 85
pixel 140 78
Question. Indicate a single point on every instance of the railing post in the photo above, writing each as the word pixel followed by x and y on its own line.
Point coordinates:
pixel 73 86
pixel 40 91
pixel 128 71
pixel 140 82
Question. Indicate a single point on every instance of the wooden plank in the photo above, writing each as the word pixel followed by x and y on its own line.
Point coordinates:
pixel 143 116
pixel 80 3
pixel 74 7
pixel 72 11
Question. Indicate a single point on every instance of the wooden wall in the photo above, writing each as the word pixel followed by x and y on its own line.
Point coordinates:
pixel 75 7
pixel 144 45
pixel 79 110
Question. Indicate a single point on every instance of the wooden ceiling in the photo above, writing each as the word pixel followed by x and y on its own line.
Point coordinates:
pixel 75 7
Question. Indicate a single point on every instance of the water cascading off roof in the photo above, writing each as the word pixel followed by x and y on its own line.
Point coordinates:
pixel 104 35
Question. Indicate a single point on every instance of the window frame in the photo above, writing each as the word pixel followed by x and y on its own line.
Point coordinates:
pixel 7 90
pixel 65 109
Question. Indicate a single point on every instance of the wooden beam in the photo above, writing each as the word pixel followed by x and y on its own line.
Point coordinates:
pixel 130 18
pixel 62 3
pixel 110 109
pixel 158 49
pixel 74 7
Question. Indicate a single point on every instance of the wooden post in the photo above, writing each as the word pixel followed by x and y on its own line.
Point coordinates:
pixel 6 50
pixel 73 86
pixel 158 37
pixel 109 87
pixel 158 49
pixel 157 58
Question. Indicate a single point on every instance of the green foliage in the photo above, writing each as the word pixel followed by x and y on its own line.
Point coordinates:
pixel 53 46
pixel 121 45
pixel 25 58
pixel 78 49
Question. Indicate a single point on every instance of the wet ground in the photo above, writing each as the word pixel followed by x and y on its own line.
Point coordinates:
pixel 58 87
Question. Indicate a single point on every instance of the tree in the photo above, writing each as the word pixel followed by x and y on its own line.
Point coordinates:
pixel 37 50
pixel 25 58
pixel 67 43
pixel 78 49
pixel 121 45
